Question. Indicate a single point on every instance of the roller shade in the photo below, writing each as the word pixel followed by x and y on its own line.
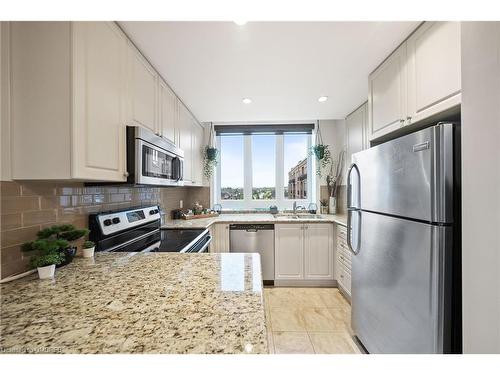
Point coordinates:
pixel 263 129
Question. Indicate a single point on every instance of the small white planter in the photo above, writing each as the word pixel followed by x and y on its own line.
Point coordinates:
pixel 46 272
pixel 88 253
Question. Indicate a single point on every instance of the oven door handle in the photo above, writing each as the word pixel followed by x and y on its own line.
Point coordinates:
pixel 206 245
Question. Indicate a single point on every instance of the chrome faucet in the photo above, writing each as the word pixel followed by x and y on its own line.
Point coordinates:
pixel 295 207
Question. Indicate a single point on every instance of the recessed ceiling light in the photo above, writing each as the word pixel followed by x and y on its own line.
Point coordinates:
pixel 240 22
pixel 322 99
pixel 246 100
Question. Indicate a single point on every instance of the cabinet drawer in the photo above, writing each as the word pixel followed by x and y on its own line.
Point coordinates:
pixel 345 279
pixel 341 232
pixel 344 259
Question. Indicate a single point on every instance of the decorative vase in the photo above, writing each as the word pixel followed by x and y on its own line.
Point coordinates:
pixel 88 252
pixel 324 210
pixel 332 207
pixel 46 272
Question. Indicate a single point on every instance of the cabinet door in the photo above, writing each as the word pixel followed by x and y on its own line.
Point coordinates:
pixel 185 142
pixel 197 141
pixel 289 252
pixel 143 86
pixel 356 130
pixel 220 242
pixel 434 83
pixel 387 94
pixel 99 94
pixel 167 112
pixel 318 251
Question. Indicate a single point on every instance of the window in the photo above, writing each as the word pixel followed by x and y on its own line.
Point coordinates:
pixel 258 169
pixel 295 163
pixel 232 175
pixel 264 167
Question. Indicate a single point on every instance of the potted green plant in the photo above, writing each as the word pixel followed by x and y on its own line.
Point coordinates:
pixel 210 155
pixel 321 153
pixel 47 254
pixel 68 233
pixel 88 249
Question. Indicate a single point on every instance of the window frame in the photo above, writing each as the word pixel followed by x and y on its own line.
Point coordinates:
pixel 247 203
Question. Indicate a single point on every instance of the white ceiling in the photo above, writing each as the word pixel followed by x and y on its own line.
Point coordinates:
pixel 282 66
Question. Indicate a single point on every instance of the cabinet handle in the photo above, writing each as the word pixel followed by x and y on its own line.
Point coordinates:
pixel 408 118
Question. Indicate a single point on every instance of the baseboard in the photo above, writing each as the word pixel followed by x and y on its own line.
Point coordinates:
pixel 306 283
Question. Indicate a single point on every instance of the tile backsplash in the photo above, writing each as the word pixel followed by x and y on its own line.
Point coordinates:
pixel 27 207
pixel 341 199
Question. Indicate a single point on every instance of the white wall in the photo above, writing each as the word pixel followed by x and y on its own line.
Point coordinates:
pixel 481 186
pixel 4 104
pixel 333 132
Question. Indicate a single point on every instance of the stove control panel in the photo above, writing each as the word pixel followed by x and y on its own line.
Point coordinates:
pixel 118 221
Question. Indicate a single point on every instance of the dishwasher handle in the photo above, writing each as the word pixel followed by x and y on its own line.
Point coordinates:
pixel 251 227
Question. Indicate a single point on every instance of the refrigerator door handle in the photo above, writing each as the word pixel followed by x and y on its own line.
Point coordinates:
pixel 353 249
pixel 349 187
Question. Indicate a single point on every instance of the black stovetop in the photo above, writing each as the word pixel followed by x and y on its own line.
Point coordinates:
pixel 158 240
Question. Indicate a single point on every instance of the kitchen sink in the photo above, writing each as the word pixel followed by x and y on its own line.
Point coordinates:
pixel 299 216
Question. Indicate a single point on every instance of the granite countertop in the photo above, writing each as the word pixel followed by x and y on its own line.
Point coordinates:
pixel 252 218
pixel 139 303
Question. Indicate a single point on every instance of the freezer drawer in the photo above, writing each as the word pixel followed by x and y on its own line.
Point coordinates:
pixel 410 177
pixel 398 285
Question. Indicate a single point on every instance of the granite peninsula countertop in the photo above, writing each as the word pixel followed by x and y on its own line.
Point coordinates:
pixel 252 218
pixel 139 303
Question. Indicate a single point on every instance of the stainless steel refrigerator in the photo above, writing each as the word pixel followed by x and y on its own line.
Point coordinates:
pixel 404 232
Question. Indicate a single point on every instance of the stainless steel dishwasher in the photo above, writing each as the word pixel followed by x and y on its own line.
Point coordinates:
pixel 255 238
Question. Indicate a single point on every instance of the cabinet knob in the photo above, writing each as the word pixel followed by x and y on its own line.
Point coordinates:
pixel 408 118
pixel 125 174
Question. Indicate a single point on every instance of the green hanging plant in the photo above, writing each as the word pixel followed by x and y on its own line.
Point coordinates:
pixel 321 152
pixel 210 156
pixel 210 161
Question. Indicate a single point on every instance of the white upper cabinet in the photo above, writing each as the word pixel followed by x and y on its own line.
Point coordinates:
pixel 434 81
pixel 99 100
pixel 418 80
pixel 387 94
pixel 143 91
pixel 318 251
pixel 167 112
pixel 73 88
pixel 68 100
pixel 357 131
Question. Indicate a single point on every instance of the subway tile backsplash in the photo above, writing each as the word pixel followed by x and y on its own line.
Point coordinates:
pixel 27 207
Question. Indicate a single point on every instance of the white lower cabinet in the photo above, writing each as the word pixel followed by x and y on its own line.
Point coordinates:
pixel 304 252
pixel 343 261
pixel 220 241
pixel 318 251
pixel 289 252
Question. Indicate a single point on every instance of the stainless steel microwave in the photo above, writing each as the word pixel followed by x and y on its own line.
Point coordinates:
pixel 152 160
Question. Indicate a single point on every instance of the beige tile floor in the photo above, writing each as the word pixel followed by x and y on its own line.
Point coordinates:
pixel 308 321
